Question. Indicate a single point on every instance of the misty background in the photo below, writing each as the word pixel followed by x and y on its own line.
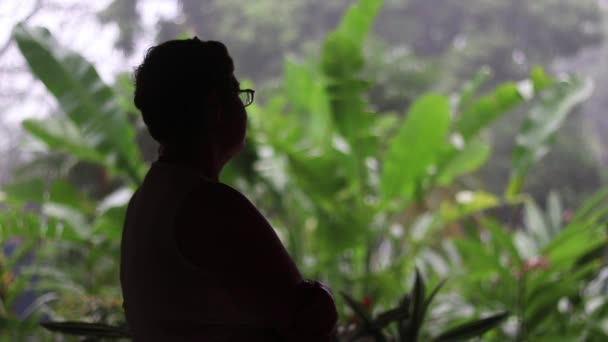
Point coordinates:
pixel 417 46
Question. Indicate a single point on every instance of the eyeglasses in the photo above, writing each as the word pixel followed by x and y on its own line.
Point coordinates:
pixel 246 95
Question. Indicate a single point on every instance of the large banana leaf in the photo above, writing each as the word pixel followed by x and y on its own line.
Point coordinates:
pixel 539 128
pixel 358 20
pixel 487 109
pixel 306 93
pixel 341 56
pixel 480 113
pixel 87 101
pixel 61 134
pixel 416 146
pixel 341 63
pixel 468 152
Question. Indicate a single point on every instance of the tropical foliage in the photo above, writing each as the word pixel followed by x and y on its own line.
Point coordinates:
pixel 361 198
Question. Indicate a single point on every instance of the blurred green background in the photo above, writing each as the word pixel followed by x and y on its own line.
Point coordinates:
pixel 392 145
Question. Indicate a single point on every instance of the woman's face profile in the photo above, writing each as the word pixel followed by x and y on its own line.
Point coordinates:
pixel 232 121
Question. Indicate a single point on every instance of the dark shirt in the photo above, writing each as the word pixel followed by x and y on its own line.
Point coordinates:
pixel 200 263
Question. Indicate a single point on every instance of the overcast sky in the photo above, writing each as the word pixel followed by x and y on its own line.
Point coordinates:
pixel 74 24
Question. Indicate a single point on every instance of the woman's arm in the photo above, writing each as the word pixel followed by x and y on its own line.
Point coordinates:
pixel 220 230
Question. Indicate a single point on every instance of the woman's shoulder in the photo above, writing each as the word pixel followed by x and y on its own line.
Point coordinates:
pixel 218 204
pixel 215 194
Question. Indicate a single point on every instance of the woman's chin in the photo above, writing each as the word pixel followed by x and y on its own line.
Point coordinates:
pixel 237 149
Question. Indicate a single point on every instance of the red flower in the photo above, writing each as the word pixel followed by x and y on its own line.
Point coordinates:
pixel 367 303
pixel 536 263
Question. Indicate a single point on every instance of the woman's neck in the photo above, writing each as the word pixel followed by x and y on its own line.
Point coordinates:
pixel 205 164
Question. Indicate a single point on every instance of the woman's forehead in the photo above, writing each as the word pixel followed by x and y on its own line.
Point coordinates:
pixel 234 81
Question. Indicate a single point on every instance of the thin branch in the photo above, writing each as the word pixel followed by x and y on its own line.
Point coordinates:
pixel 37 6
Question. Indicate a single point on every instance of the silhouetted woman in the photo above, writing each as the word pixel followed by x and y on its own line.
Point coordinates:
pixel 199 262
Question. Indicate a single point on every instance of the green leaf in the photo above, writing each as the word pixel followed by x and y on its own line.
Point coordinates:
pixel 479 114
pixel 540 80
pixel 68 216
pixel 368 325
pixel 472 329
pixel 62 192
pixel 467 203
pixel 593 254
pixel 341 64
pixel 412 326
pixel 591 205
pixel 61 134
pixel 30 226
pixel 272 127
pixel 358 19
pixel 480 261
pixel 545 119
pixel 341 58
pixel 471 87
pixel 416 146
pixel 30 190
pixel 393 315
pixel 307 94
pixel 89 103
pixel 341 54
pixel 418 297
pixel 474 154
pixel 487 109
pixel 124 89
pixel 568 251
pixel 59 192
pixel 543 300
pixel 109 224
pixel 502 240
pixel 535 223
pixel 429 299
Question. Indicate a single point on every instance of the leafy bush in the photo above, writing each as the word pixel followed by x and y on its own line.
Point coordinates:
pixel 542 272
pixel 409 317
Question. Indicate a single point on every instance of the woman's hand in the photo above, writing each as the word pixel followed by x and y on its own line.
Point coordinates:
pixel 316 317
